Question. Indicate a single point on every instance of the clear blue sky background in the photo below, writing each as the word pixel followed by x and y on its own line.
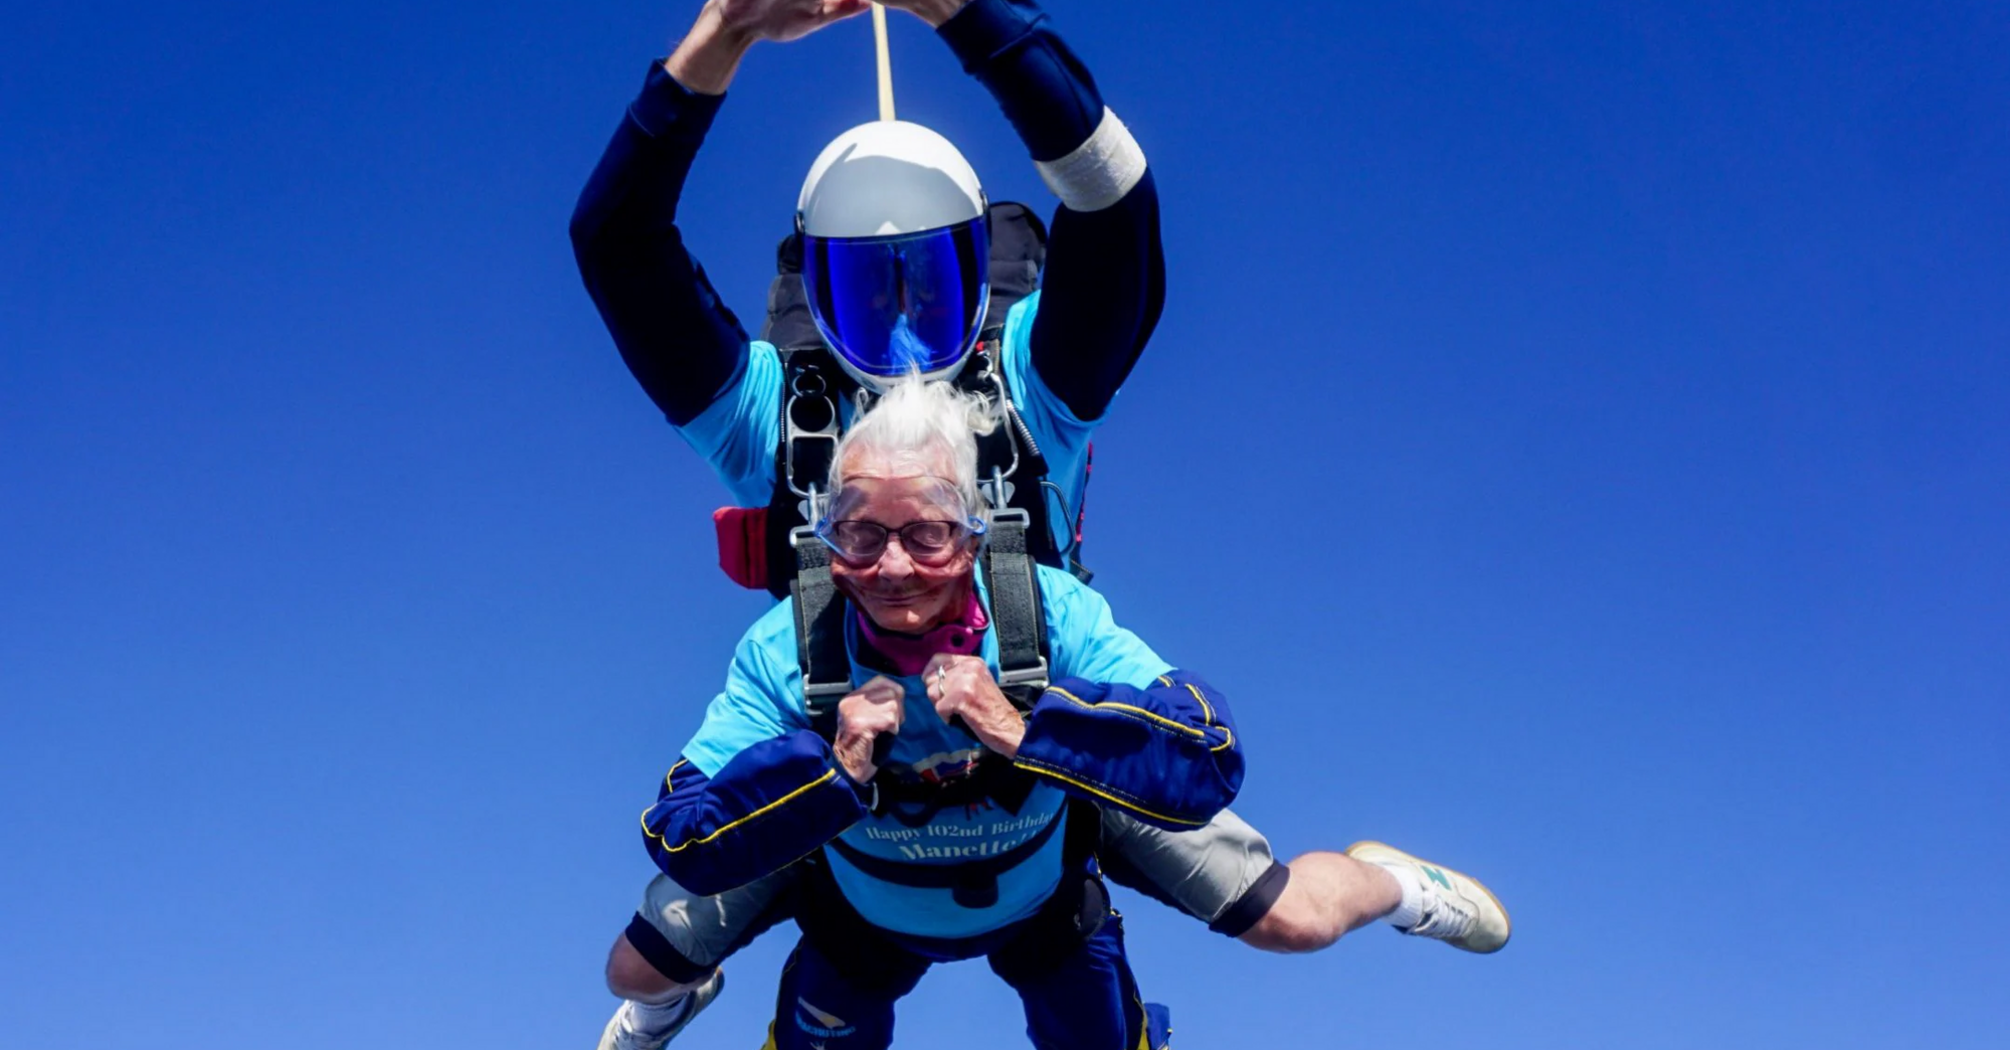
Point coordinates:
pixel 1577 441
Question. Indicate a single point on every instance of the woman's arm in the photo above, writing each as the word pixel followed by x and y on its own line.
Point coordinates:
pixel 773 804
pixel 1166 753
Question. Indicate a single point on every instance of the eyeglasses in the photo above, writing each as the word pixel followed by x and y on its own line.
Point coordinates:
pixel 927 542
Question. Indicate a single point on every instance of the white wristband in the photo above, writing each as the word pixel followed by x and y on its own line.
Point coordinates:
pixel 1100 171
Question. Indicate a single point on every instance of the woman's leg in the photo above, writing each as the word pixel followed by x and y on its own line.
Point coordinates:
pixel 1088 1001
pixel 848 1005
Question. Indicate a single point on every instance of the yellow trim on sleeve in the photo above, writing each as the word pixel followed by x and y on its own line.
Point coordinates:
pixel 829 775
pixel 1206 711
pixel 1129 709
pixel 1102 792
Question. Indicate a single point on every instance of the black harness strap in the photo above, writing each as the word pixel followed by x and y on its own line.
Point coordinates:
pixel 1011 469
pixel 1018 620
pixel 820 648
pixel 813 391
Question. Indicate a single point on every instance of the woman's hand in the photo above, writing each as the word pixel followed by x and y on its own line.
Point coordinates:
pixel 963 686
pixel 863 717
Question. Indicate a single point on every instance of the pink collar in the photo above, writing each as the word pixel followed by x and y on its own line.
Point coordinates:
pixel 908 654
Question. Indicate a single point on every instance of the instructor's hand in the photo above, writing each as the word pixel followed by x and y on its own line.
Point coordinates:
pixel 784 19
pixel 864 716
pixel 934 12
pixel 962 685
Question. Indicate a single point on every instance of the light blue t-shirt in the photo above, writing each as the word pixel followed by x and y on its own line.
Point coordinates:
pixel 763 699
pixel 740 432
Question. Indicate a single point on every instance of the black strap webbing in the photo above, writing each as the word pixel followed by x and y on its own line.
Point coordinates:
pixel 1018 621
pixel 820 648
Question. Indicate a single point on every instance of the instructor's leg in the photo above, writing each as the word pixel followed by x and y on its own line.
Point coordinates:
pixel 665 966
pixel 677 939
pixel 1328 895
pixel 1226 876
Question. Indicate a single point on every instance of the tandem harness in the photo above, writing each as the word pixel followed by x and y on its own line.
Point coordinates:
pixel 1019 626
pixel 1018 623
pixel 775 548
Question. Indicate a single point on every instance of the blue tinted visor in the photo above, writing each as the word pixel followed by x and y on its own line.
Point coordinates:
pixel 889 305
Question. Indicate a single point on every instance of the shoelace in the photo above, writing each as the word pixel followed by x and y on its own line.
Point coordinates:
pixel 1445 917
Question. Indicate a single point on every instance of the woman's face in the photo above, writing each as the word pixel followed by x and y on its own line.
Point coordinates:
pixel 898 590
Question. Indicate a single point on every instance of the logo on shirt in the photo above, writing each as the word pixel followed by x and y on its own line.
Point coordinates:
pixel 944 766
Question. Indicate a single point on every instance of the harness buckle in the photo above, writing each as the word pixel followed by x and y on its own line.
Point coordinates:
pixel 814 690
pixel 1009 516
pixel 1035 676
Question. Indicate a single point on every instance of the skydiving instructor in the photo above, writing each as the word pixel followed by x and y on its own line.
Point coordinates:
pixel 1066 351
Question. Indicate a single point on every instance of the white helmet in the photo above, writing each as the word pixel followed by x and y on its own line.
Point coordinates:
pixel 896 251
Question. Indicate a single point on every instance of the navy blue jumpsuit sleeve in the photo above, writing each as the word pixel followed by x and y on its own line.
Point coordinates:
pixel 1104 286
pixel 682 344
pixel 773 804
pixel 1166 754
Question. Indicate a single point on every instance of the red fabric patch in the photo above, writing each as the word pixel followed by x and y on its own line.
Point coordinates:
pixel 743 545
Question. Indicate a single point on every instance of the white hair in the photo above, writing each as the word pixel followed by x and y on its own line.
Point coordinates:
pixel 924 420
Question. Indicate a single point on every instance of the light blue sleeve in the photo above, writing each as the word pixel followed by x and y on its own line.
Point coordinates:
pixel 762 699
pixel 1085 642
pixel 1063 438
pixel 739 432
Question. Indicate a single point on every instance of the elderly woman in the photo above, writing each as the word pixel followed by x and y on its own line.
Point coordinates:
pixel 943 822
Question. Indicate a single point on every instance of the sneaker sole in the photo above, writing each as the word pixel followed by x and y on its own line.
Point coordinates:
pixel 1386 851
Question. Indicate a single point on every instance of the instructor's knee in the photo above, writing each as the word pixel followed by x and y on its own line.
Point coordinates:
pixel 630 976
pixel 1292 926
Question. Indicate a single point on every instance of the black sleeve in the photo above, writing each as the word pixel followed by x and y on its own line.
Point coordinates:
pixel 1104 287
pixel 682 344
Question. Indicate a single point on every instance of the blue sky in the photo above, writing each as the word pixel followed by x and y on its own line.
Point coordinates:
pixel 1576 441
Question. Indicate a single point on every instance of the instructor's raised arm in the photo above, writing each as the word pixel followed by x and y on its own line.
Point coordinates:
pixel 1104 286
pixel 682 344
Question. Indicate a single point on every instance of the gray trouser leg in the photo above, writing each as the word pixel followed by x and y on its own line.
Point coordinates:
pixel 692 934
pixel 1223 874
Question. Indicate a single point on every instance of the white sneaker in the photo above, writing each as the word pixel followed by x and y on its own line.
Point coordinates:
pixel 632 1028
pixel 1457 908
